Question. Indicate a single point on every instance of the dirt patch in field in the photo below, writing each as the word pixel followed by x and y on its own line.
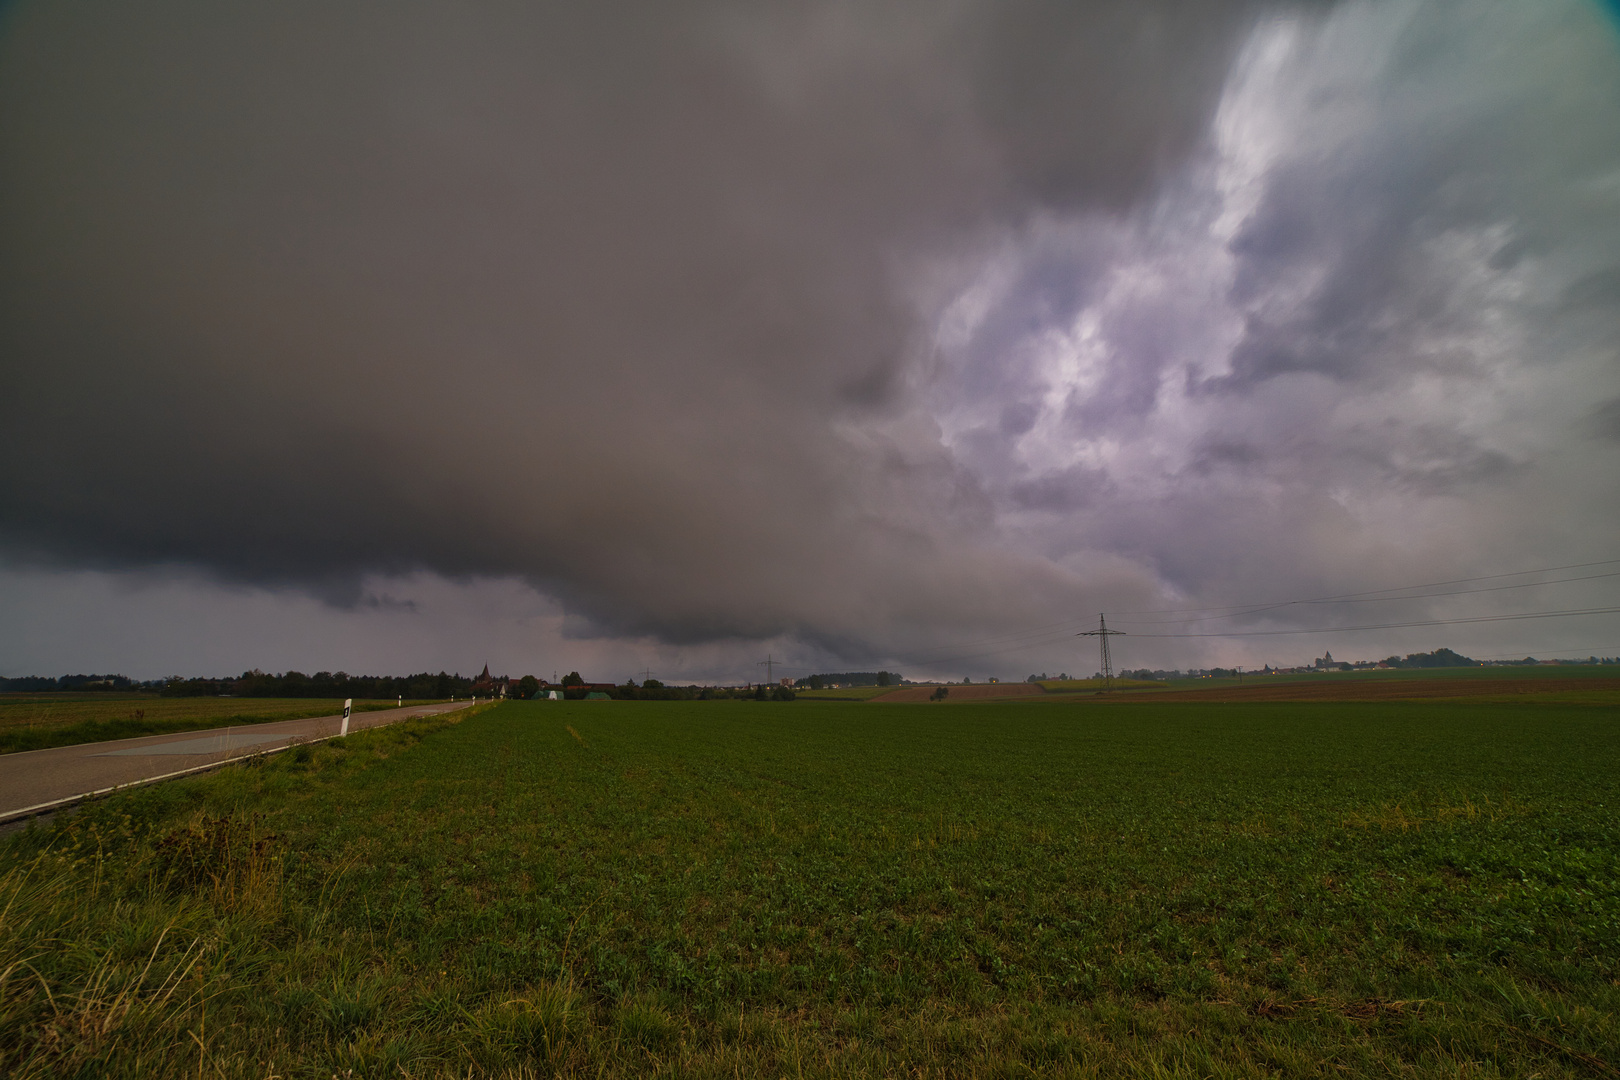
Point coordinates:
pixel 970 692
pixel 1380 690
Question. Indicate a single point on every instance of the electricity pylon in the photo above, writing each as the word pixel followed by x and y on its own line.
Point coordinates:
pixel 1102 634
pixel 767 662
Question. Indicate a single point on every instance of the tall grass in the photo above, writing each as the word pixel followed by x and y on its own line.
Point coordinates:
pixel 117 968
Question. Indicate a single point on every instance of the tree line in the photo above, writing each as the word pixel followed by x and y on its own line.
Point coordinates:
pixel 324 684
pixel 848 678
pixel 654 690
pixel 45 684
pixel 339 684
pixel 293 684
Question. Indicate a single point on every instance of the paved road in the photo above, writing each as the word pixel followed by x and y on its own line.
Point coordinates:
pixel 35 780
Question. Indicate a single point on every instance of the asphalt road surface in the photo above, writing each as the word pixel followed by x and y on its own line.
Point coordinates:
pixel 34 781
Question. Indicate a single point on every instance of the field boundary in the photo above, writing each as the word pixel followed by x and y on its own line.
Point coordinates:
pixel 1382 687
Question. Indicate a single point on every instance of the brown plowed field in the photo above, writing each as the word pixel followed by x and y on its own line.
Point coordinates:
pixel 970 692
pixel 1378 690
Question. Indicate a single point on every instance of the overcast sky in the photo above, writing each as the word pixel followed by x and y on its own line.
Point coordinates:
pixel 382 337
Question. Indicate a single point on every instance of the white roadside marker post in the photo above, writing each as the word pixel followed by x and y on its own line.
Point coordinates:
pixel 348 703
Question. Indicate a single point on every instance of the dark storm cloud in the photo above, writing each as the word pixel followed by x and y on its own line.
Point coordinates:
pixel 1605 420
pixel 1598 291
pixel 866 328
pixel 1081 98
pixel 581 293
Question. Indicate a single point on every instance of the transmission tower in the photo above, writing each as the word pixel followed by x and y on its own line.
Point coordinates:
pixel 767 662
pixel 646 673
pixel 1102 634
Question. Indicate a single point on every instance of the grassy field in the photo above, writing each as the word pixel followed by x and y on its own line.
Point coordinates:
pixel 1059 686
pixel 848 693
pixel 824 889
pixel 1532 674
pixel 1477 691
pixel 35 721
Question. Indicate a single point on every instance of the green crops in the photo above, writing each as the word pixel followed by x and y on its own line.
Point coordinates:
pixel 720 888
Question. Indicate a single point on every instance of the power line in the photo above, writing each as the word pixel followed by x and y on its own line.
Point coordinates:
pixel 1381 599
pixel 995 652
pixel 1102 634
pixel 1054 631
pixel 1314 630
pixel 1569 651
pixel 1051 633
pixel 1397 626
pixel 1375 592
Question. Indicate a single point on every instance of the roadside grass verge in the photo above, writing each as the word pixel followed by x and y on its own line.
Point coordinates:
pixel 675 889
pixel 36 722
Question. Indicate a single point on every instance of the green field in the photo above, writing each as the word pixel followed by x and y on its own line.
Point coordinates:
pixel 1059 686
pixel 1537 671
pixel 823 889
pixel 848 693
pixel 35 721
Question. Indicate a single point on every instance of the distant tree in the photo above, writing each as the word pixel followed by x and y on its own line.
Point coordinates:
pixel 883 678
pixel 940 694
pixel 572 679
pixel 817 682
pixel 762 693
pixel 652 684
pixel 38 683
pixel 1438 658
pixel 782 693
pixel 528 686
pixel 849 678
